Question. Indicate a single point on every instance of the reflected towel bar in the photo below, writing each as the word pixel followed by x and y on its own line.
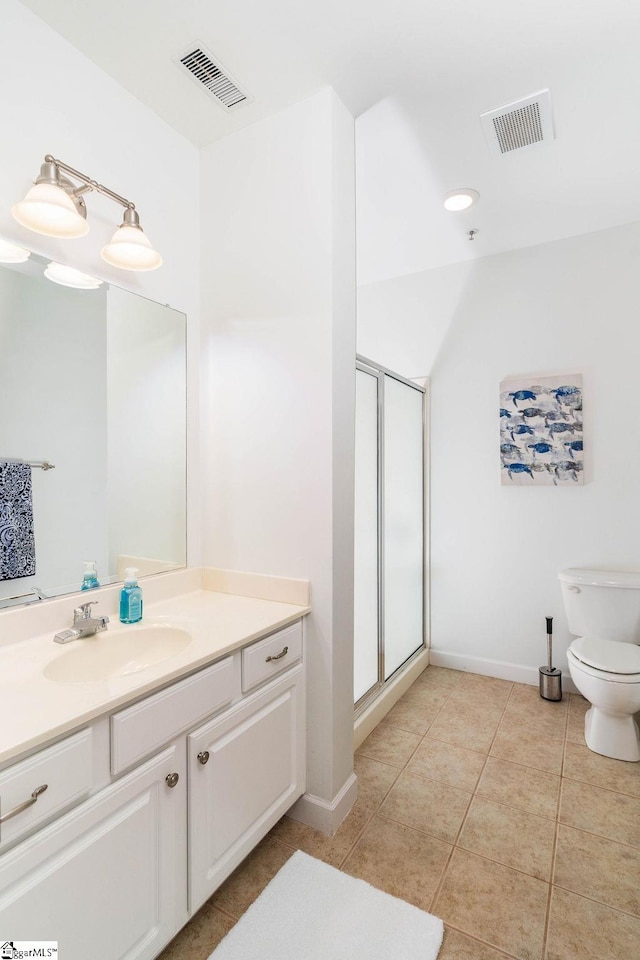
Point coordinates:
pixel 36 464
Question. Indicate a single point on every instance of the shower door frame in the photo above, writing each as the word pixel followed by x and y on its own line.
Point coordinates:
pixel 379 372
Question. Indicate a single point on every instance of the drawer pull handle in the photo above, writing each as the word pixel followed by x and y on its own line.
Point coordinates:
pixel 203 757
pixel 27 803
pixel 172 779
pixel 279 656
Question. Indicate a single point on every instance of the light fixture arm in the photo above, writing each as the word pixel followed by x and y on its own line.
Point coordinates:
pixel 88 183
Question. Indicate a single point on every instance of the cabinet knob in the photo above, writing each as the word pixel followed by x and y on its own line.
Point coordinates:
pixel 203 757
pixel 172 779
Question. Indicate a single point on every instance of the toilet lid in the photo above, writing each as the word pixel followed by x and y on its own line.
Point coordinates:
pixel 610 656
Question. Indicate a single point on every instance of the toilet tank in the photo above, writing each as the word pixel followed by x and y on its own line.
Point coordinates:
pixel 603 604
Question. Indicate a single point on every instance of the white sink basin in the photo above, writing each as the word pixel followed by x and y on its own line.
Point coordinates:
pixel 105 656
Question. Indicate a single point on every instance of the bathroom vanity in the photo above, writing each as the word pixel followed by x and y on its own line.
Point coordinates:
pixel 167 780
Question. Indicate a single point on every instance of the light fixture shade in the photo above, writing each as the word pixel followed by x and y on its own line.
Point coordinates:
pixel 10 253
pixel 130 249
pixel 69 277
pixel 47 209
pixel 460 199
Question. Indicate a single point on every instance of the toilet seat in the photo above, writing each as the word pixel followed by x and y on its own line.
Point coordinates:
pixel 621 660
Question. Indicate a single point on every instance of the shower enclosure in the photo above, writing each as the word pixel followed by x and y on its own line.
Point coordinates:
pixel 389 610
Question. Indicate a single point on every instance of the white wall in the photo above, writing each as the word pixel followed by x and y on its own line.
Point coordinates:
pixel 496 551
pixel 55 100
pixel 279 332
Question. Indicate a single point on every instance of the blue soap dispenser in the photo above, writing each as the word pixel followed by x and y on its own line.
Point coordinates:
pixel 130 598
pixel 90 578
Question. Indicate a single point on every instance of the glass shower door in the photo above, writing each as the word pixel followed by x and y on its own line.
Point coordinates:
pixel 403 513
pixel 389 611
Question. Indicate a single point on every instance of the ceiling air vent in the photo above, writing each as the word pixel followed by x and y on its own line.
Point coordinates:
pixel 522 123
pixel 211 76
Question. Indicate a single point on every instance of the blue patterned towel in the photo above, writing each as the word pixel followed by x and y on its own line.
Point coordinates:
pixel 17 545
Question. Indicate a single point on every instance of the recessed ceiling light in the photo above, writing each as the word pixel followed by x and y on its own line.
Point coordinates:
pixel 460 199
pixel 68 277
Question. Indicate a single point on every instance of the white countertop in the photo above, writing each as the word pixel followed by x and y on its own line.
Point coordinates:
pixel 36 709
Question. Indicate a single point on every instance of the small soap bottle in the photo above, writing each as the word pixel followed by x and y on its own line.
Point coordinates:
pixel 90 578
pixel 130 598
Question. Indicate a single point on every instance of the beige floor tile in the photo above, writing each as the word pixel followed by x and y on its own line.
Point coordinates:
pixel 441 677
pixel 490 689
pixel 249 879
pixel 416 710
pixel 448 764
pixel 410 718
pixel 495 903
pixel 472 706
pixel 426 696
pixel 578 706
pixel 580 929
pixel 333 850
pixel 400 861
pixel 471 728
pixel 530 790
pixel 457 946
pixel 612 815
pixel 597 868
pixel 201 935
pixel 580 763
pixel 544 716
pixel 515 742
pixel 425 805
pixel 389 744
pixel 374 781
pixel 513 837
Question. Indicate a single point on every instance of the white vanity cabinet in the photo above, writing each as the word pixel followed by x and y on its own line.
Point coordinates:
pixel 104 879
pixel 199 771
pixel 246 768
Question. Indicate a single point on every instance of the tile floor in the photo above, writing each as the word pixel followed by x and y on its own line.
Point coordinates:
pixel 478 802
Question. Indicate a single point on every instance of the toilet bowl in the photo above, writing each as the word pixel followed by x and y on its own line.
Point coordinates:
pixel 603 610
pixel 614 695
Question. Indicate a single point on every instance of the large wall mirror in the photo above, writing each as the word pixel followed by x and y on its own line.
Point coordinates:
pixel 92 382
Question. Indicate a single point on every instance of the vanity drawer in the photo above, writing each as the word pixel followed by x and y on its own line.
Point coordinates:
pixel 146 726
pixel 66 769
pixel 267 658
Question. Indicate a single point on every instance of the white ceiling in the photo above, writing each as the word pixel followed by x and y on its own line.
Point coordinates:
pixel 417 73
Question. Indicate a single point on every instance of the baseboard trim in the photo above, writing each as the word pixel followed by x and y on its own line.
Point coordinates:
pixel 379 708
pixel 323 815
pixel 494 668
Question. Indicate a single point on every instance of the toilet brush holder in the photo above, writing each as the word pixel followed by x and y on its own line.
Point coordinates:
pixel 550 676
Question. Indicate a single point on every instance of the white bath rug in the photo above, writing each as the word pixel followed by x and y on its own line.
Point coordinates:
pixel 311 911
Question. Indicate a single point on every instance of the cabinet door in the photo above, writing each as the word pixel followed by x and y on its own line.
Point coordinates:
pixel 253 770
pixel 104 879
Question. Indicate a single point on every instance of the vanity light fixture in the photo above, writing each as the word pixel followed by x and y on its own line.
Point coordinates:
pixel 460 199
pixel 68 277
pixel 10 253
pixel 55 207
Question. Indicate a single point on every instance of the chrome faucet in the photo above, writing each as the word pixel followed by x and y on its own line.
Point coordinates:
pixel 84 625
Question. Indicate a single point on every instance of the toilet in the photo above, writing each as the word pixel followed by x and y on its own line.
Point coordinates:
pixel 603 611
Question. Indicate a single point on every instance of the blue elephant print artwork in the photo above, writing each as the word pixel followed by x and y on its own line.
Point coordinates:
pixel 541 430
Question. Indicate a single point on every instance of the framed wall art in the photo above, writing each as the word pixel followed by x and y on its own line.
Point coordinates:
pixel 541 430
